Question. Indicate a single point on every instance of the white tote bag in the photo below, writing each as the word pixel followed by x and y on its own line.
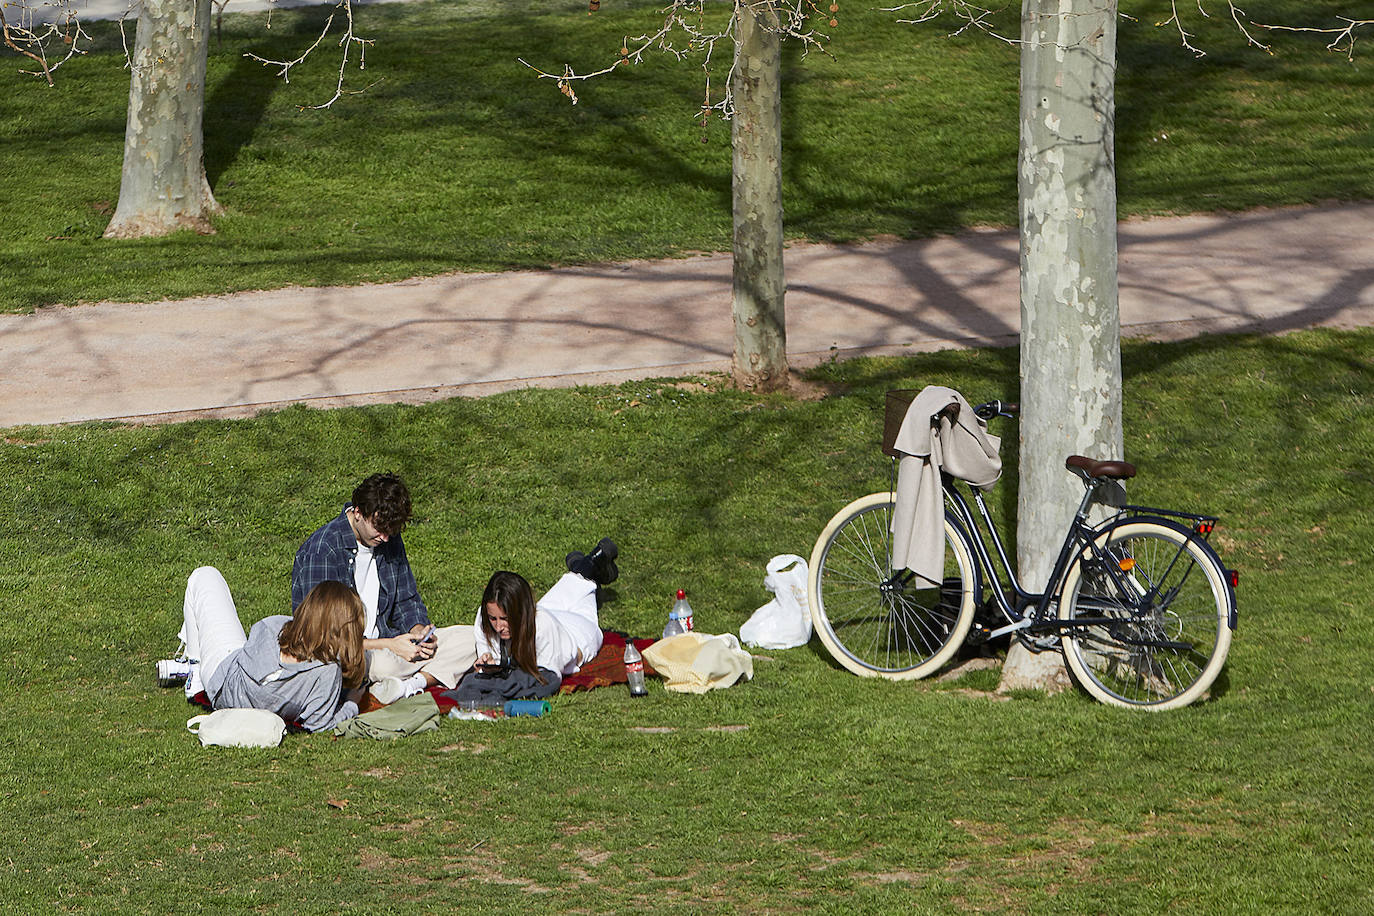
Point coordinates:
pixel 238 728
pixel 784 622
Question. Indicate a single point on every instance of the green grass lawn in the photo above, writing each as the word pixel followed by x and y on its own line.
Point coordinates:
pixel 459 159
pixel 807 789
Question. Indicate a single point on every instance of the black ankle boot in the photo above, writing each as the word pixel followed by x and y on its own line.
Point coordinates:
pixel 577 563
pixel 599 565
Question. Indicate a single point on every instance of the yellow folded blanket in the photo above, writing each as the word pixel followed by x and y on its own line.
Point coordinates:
pixel 698 662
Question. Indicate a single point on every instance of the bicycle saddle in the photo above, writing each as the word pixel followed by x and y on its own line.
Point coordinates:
pixel 1117 470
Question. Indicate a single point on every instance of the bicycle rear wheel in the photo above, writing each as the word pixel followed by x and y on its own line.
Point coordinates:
pixel 1157 628
pixel 876 623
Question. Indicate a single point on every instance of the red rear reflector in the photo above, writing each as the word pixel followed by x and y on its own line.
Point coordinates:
pixel 1205 527
pixel 1235 577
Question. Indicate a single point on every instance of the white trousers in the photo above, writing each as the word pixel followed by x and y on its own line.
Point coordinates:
pixel 211 629
pixel 453 655
pixel 572 600
pixel 212 632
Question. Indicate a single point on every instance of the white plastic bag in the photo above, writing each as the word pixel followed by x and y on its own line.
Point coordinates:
pixel 784 622
pixel 238 728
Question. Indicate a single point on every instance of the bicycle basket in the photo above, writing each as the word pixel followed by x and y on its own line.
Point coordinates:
pixel 895 408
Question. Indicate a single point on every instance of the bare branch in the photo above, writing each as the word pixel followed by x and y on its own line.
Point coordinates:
pixel 1343 36
pixel 286 65
pixel 1236 14
pixel 968 15
pixel 346 42
pixel 1344 40
pixel 31 38
pixel 687 32
pixel 1184 36
pixel 124 41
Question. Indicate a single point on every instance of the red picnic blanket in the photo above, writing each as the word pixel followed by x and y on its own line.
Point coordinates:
pixel 605 669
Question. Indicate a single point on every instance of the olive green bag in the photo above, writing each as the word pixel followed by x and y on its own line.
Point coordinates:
pixel 418 713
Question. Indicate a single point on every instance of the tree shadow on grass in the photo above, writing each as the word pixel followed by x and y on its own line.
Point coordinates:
pixel 233 113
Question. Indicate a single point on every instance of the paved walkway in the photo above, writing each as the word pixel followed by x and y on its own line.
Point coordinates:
pixel 36 12
pixel 471 334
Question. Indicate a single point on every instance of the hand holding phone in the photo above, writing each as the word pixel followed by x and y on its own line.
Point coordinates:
pixel 486 666
pixel 426 635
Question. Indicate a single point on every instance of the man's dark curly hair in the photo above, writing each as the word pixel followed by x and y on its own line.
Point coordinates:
pixel 384 501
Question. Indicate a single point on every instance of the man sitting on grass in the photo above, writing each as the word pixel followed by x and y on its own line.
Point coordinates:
pixel 362 548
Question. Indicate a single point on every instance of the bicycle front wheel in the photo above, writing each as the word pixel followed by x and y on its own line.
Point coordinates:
pixel 879 623
pixel 1155 606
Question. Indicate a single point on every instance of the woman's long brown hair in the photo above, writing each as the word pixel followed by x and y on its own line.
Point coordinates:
pixel 511 593
pixel 328 627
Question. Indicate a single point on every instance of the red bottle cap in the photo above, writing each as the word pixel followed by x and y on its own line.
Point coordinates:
pixel 681 594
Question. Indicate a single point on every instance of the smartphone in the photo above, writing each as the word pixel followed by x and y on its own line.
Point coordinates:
pixel 425 637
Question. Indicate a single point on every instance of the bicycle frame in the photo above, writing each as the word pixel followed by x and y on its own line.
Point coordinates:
pixel 1031 612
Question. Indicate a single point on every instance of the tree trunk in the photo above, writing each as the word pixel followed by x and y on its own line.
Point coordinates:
pixel 162 187
pixel 1070 327
pixel 760 360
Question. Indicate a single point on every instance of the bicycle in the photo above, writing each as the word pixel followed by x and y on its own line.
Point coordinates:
pixel 1139 603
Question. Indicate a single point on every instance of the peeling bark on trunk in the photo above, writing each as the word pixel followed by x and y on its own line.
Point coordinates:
pixel 760 359
pixel 1070 327
pixel 162 187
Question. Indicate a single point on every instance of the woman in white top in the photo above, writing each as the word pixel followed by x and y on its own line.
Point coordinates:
pixel 524 648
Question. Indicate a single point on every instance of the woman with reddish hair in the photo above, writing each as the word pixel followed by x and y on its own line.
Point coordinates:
pixel 308 668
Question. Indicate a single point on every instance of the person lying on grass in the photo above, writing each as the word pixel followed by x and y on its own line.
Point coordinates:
pixel 307 669
pixel 524 648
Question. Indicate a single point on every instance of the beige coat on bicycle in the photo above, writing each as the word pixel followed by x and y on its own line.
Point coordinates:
pixel 940 433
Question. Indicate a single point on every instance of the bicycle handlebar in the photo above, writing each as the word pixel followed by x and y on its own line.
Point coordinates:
pixel 992 409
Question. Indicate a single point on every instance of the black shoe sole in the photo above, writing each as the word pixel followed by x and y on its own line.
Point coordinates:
pixel 604 548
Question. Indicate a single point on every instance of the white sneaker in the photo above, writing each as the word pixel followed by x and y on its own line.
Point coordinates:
pixel 194 685
pixel 171 672
pixel 388 690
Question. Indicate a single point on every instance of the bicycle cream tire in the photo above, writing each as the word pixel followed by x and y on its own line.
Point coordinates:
pixel 954 541
pixel 1207 561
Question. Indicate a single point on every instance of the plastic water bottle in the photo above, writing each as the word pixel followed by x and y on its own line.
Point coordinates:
pixel 684 610
pixel 674 627
pixel 680 617
pixel 634 670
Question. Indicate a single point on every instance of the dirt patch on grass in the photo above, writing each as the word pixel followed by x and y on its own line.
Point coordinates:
pixel 584 858
pixel 467 748
pixel 703 385
pixel 982 694
pixel 474 866
pixel 592 856
pixel 899 877
pixel 968 667
pixel 804 389
pixel 413 827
